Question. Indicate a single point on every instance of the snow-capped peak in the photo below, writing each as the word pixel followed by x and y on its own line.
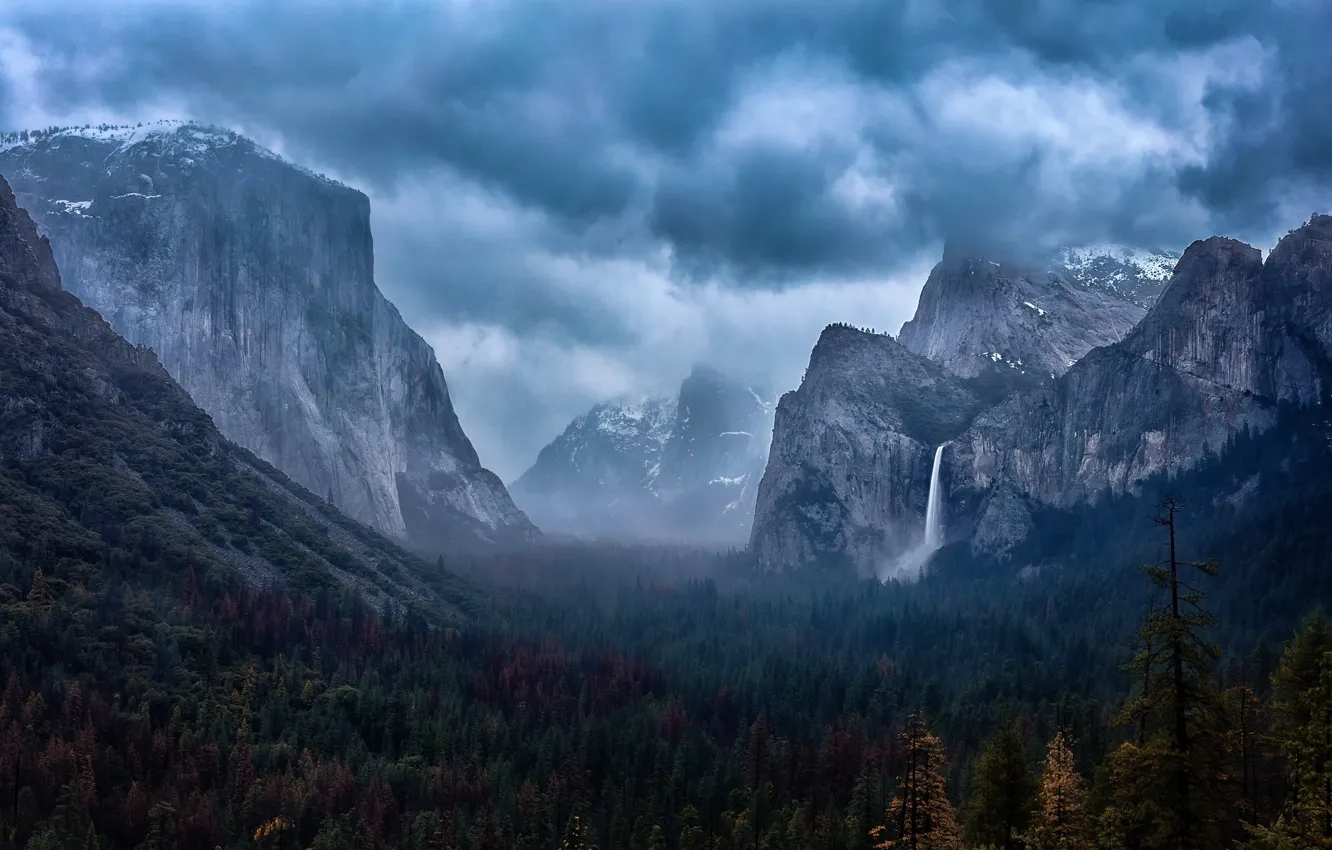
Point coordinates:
pixel 1151 265
pixel 181 140
pixel 625 418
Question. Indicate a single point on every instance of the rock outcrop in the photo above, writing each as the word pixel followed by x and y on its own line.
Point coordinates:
pixel 1230 340
pixel 106 463
pixel 665 469
pixel 253 280
pixel 848 473
pixel 1029 322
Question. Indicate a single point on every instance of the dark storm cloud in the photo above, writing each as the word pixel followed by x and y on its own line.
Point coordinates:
pixel 764 208
pixel 597 110
pixel 575 198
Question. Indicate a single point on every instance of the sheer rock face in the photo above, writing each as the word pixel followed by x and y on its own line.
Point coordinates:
pixel 1032 321
pixel 683 468
pixel 253 281
pixel 1229 340
pixel 852 449
pixel 97 440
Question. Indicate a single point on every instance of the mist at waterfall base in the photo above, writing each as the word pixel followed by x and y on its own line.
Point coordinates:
pixel 909 564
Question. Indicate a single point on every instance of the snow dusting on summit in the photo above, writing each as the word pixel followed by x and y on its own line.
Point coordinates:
pixel 1152 265
pixel 185 142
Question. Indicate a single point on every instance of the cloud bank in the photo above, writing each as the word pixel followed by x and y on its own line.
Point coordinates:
pixel 581 198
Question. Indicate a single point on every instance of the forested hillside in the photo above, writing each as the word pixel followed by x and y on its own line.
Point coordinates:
pixel 615 713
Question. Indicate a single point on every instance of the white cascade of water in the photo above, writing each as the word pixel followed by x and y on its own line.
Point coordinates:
pixel 909 564
pixel 934 507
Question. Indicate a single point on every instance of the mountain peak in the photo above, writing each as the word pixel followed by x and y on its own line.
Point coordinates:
pixel 183 141
pixel 149 458
pixel 253 280
pixel 978 315
pixel 681 468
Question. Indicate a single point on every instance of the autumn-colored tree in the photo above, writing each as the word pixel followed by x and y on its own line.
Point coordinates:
pixel 270 833
pixel 1060 819
pixel 1002 792
pixel 921 816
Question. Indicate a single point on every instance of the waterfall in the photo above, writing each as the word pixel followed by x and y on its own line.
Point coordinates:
pixel 909 564
pixel 934 507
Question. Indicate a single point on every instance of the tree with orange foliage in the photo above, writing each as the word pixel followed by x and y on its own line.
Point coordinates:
pixel 1060 821
pixel 921 816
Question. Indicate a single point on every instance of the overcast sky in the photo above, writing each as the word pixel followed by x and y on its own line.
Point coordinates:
pixel 575 199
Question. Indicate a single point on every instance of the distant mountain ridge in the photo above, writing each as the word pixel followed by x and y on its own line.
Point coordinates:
pixel 684 468
pixel 253 280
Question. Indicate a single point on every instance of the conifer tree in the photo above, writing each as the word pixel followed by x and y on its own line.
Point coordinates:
pixel 1173 789
pixel 920 817
pixel 1060 816
pixel 576 835
pixel 691 835
pixel 1131 817
pixel 1246 714
pixel 160 835
pixel 39 594
pixel 1002 792
pixel 1302 734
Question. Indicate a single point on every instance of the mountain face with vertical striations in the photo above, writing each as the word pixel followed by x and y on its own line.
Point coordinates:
pixel 847 480
pixel 1028 322
pixel 1228 341
pixel 106 465
pixel 668 469
pixel 253 280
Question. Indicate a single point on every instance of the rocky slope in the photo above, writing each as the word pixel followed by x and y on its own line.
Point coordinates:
pixel 253 281
pixel 848 473
pixel 1031 321
pixel 106 464
pixel 1230 340
pixel 683 468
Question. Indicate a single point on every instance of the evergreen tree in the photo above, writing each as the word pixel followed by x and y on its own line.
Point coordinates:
pixel 1131 815
pixel 1002 792
pixel 1060 816
pixel 576 835
pixel 691 836
pixel 920 816
pixel 160 834
pixel 39 593
pixel 1179 769
pixel 1302 734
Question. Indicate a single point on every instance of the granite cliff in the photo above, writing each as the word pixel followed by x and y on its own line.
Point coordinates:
pixel 851 453
pixel 1228 342
pixel 1030 321
pixel 1231 340
pixel 107 465
pixel 253 280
